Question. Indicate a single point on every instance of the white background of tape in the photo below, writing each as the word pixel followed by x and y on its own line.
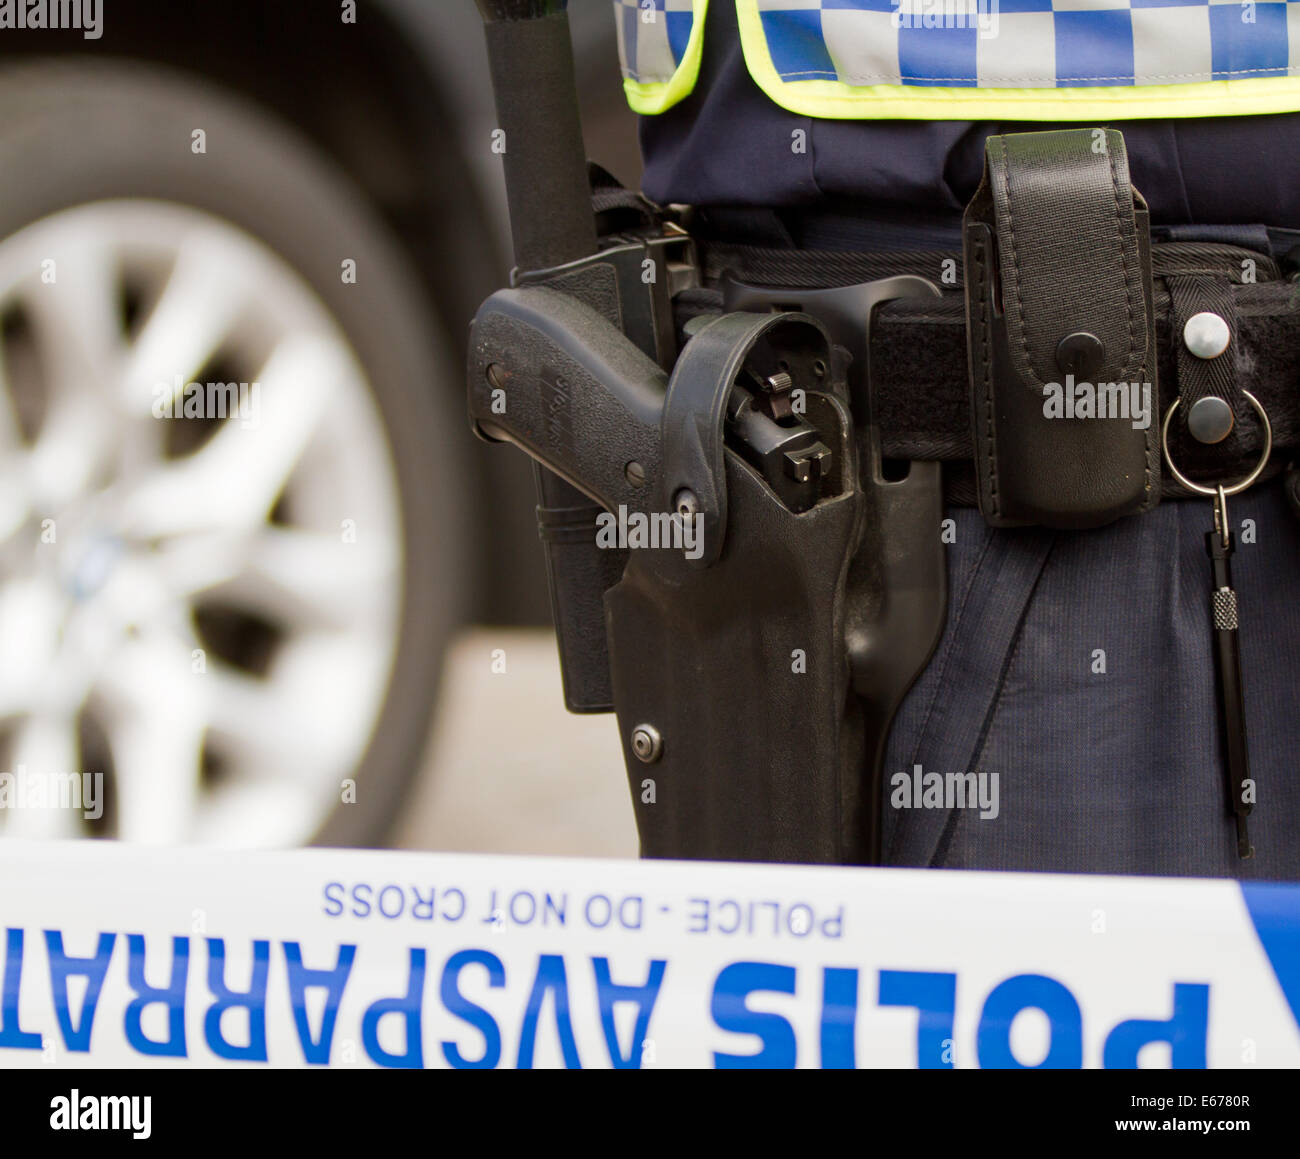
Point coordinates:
pixel 1118 944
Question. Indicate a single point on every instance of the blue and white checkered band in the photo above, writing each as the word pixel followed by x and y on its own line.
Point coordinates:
pixel 652 37
pixel 967 59
pixel 1029 43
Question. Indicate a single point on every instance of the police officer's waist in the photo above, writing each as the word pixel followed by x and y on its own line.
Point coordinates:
pixel 919 363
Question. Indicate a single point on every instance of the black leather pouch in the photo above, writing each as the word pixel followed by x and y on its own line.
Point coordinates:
pixel 1060 327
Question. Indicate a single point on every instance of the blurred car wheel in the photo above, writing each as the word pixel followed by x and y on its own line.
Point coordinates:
pixel 237 620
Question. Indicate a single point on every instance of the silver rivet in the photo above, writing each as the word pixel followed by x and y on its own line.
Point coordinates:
pixel 1206 335
pixel 686 503
pixel 647 744
pixel 1210 419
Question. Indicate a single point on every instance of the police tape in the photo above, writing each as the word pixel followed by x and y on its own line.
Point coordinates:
pixel 116 956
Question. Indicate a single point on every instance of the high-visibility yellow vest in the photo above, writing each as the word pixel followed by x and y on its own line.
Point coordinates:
pixel 1033 60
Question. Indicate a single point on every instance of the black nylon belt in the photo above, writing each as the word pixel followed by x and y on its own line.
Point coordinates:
pixel 919 358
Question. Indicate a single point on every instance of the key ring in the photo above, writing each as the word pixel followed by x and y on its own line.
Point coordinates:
pixel 1219 490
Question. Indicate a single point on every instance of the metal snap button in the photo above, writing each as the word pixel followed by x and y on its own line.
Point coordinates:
pixel 1206 335
pixel 1079 354
pixel 1210 419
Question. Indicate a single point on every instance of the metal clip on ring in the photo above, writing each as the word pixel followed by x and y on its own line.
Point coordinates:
pixel 1224 625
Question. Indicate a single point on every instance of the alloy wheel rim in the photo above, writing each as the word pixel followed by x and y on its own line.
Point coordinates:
pixel 201 610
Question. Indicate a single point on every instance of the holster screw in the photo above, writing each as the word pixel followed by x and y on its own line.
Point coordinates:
pixel 647 744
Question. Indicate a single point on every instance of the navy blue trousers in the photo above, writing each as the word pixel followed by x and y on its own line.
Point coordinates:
pixel 1114 771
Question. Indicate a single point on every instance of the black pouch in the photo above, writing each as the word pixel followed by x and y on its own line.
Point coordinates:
pixel 1060 327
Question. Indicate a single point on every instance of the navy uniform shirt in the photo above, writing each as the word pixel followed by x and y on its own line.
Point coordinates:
pixel 729 144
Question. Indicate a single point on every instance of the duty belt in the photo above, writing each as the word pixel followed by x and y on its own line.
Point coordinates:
pixel 920 365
